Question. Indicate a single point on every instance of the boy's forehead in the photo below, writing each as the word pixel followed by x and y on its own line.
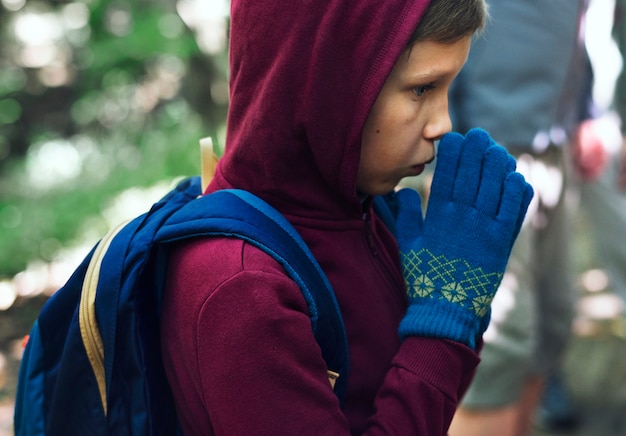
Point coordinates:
pixel 427 58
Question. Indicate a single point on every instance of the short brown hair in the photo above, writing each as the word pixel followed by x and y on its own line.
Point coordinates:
pixel 447 21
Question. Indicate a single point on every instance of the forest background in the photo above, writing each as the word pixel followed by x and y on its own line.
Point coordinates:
pixel 102 105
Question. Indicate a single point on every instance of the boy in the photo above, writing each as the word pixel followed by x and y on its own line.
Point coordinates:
pixel 333 102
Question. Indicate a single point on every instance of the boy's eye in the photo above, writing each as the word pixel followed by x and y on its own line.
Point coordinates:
pixel 423 89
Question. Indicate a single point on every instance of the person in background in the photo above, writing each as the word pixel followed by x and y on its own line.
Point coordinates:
pixel 599 170
pixel 600 155
pixel 522 83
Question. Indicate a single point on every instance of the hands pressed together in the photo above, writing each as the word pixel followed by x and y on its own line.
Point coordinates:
pixel 454 258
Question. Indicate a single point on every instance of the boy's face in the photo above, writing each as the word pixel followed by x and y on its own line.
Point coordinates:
pixel 409 115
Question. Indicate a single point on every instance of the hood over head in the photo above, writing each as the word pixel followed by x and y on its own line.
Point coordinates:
pixel 304 75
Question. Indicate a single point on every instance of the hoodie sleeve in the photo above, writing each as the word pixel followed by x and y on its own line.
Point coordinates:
pixel 242 359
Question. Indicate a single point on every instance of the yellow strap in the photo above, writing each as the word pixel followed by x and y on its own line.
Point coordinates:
pixel 208 161
pixel 92 340
pixel 332 377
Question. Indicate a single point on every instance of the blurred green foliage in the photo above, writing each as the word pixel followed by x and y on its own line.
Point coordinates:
pixel 97 96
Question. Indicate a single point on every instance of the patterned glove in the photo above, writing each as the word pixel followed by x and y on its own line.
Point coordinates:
pixel 454 259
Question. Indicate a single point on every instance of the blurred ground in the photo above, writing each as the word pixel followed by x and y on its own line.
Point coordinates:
pixel 15 323
pixel 595 372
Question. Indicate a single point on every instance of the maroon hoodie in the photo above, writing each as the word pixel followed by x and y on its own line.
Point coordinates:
pixel 237 340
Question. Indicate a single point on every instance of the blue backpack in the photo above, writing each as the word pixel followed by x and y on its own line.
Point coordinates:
pixel 92 365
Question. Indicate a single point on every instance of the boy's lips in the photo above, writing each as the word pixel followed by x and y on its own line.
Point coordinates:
pixel 418 169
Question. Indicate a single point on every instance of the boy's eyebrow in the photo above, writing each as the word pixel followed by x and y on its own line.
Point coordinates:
pixel 429 75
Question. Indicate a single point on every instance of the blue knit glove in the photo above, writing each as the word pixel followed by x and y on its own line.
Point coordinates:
pixel 454 259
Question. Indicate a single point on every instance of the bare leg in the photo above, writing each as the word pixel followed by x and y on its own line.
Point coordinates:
pixel 513 420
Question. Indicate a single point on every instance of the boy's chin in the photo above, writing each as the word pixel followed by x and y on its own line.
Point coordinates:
pixel 382 190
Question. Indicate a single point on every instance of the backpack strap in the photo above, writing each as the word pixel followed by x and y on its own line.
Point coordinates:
pixel 87 320
pixel 230 213
pixel 240 214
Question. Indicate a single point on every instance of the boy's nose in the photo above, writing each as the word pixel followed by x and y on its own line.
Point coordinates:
pixel 439 123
